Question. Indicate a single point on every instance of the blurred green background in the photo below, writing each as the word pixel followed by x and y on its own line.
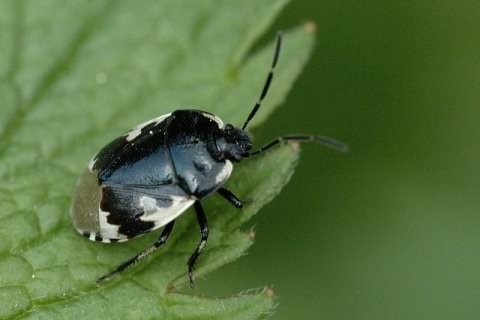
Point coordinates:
pixel 391 230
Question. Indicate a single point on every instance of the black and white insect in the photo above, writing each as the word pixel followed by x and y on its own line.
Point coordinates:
pixel 147 178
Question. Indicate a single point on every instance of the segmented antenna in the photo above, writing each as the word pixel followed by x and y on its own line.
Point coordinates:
pixel 326 141
pixel 266 86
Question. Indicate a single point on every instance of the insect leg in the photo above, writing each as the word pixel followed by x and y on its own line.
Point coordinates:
pixel 202 221
pixel 233 199
pixel 326 141
pixel 142 255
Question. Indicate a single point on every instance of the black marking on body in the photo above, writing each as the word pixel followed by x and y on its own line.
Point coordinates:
pixel 129 227
pixel 120 152
pixel 122 202
pixel 125 211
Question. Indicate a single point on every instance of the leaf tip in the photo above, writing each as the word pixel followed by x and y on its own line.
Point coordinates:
pixel 310 26
pixel 270 292
pixel 251 234
pixel 295 146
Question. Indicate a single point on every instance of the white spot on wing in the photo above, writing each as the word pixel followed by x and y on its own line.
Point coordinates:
pixel 161 216
pixel 214 118
pixel 107 230
pixel 148 204
pixel 135 132
pixel 92 162
pixel 223 175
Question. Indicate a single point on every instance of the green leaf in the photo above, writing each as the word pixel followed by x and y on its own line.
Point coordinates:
pixel 74 75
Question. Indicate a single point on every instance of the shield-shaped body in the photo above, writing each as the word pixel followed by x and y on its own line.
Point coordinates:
pixel 148 177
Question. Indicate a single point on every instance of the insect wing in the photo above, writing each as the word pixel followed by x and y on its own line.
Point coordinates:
pixel 131 210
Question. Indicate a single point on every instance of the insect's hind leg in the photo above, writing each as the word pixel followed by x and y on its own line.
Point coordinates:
pixel 230 197
pixel 202 221
pixel 140 256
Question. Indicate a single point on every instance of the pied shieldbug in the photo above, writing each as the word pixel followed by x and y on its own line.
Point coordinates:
pixel 148 177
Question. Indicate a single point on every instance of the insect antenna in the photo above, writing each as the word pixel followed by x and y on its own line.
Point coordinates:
pixel 326 141
pixel 266 86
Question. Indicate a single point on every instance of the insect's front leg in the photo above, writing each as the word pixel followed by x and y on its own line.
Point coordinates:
pixel 140 256
pixel 202 222
pixel 230 197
